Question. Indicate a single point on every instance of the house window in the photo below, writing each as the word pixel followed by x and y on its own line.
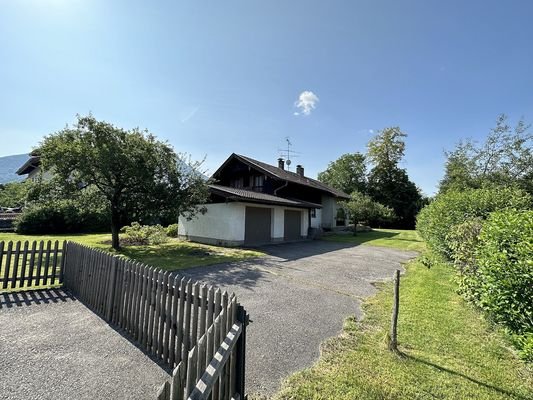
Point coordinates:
pixel 258 182
pixel 313 212
pixel 237 183
pixel 340 220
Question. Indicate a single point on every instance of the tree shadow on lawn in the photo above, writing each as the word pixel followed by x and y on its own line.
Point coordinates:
pixel 473 380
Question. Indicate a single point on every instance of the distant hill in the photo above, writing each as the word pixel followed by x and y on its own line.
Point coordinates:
pixel 9 166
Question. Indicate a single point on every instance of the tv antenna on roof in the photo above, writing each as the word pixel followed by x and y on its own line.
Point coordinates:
pixel 288 153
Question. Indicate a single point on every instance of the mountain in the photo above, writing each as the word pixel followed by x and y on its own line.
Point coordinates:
pixel 9 166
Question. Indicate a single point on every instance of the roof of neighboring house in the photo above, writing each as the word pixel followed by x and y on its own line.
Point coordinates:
pixel 33 162
pixel 282 174
pixel 257 197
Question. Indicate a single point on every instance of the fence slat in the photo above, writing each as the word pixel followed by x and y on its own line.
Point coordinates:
pixel 174 321
pixel 22 279
pixel 162 317
pixel 7 264
pixel 191 371
pixel 15 266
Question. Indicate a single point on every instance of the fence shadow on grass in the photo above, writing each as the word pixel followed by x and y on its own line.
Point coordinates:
pixel 28 298
pixel 473 380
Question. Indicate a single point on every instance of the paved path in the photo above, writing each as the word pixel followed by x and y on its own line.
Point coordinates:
pixel 297 297
pixel 53 347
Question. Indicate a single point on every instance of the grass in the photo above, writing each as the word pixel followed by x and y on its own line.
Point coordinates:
pixel 395 238
pixel 174 255
pixel 449 350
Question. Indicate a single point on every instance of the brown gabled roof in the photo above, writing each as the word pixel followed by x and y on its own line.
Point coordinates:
pixel 258 197
pixel 282 174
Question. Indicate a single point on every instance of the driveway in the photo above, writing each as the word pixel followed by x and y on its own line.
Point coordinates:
pixel 53 347
pixel 298 296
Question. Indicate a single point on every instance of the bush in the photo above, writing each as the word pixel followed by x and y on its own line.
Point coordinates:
pixel 61 217
pixel 172 230
pixel 505 269
pixel 437 220
pixel 463 240
pixel 137 234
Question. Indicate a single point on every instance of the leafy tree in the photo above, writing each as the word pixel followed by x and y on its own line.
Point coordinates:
pixel 347 173
pixel 389 184
pixel 361 208
pixel 136 174
pixel 14 194
pixel 505 158
pixel 387 148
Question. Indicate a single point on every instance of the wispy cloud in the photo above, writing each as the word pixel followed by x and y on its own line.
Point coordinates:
pixel 306 103
pixel 187 113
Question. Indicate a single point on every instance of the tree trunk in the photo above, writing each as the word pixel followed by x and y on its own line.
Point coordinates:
pixel 355 226
pixel 115 227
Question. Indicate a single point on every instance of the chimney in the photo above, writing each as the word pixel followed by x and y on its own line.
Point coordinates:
pixel 281 163
pixel 300 170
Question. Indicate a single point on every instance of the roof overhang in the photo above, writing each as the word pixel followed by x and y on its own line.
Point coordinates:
pixel 248 196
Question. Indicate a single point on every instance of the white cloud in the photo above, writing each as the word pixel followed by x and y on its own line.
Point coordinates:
pixel 306 102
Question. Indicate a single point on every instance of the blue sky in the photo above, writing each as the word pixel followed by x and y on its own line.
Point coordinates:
pixel 216 77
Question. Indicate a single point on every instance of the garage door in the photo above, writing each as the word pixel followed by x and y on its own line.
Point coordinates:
pixel 257 225
pixel 293 225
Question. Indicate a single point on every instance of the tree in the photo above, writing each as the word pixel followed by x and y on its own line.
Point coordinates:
pixel 387 148
pixel 14 194
pixel 361 208
pixel 347 173
pixel 135 173
pixel 389 184
pixel 505 158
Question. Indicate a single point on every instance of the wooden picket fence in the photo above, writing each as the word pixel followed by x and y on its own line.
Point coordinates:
pixel 196 330
pixel 25 265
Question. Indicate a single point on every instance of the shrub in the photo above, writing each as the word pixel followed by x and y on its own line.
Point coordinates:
pixel 61 217
pixel 438 219
pixel 463 240
pixel 172 230
pixel 137 234
pixel 505 269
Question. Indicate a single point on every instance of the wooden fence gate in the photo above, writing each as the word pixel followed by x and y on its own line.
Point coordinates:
pixel 198 331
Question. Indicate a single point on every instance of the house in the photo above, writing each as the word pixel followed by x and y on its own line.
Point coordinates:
pixel 253 203
pixel 32 167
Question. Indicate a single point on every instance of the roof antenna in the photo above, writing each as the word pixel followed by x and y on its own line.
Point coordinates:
pixel 288 153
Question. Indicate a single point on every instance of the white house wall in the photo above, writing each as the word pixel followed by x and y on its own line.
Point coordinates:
pixel 224 224
pixel 317 221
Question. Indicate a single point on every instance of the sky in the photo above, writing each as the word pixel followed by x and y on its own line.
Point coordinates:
pixel 217 77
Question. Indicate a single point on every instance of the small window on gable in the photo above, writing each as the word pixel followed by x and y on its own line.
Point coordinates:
pixel 313 212
pixel 258 183
pixel 237 183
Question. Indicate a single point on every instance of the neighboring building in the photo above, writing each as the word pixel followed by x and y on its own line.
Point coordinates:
pixel 256 203
pixel 32 167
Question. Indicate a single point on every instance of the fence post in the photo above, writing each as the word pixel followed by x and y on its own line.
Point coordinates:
pixel 111 289
pixel 240 367
pixel 393 345
pixel 63 262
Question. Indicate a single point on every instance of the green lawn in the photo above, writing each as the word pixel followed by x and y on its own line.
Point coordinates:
pixel 396 238
pixel 175 254
pixel 449 350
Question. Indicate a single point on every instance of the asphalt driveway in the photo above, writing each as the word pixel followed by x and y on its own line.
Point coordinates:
pixel 53 347
pixel 298 296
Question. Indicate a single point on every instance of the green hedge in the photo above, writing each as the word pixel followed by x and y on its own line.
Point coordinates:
pixel 505 269
pixel 61 217
pixel 440 218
